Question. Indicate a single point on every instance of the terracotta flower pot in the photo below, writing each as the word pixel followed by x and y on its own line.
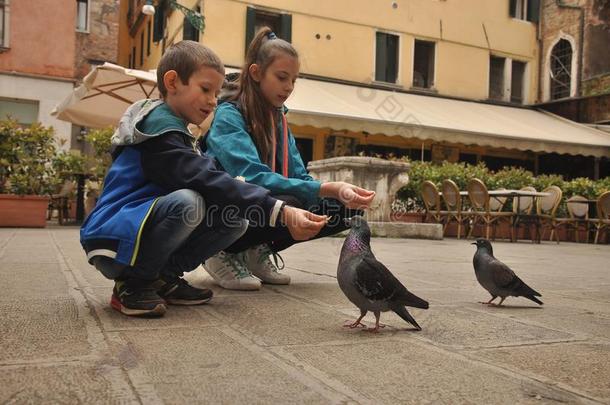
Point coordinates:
pixel 27 211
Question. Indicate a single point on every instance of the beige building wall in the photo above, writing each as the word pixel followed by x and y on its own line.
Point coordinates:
pixel 466 32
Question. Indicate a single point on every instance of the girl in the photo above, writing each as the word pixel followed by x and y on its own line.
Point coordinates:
pixel 250 138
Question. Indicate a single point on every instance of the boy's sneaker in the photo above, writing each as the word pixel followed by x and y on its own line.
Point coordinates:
pixel 259 263
pixel 230 272
pixel 176 291
pixel 137 298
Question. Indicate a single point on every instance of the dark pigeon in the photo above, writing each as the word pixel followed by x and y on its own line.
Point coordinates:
pixel 367 283
pixel 498 278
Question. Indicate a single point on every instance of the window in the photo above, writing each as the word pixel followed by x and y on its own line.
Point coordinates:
pixel 561 70
pixel 386 57
pixel 517 81
pixel 496 78
pixel 24 111
pixel 82 15
pixel 159 27
pixel 4 24
pixel 141 48
pixel 506 79
pixel 148 39
pixel 524 9
pixel 189 31
pixel 256 19
pixel 423 64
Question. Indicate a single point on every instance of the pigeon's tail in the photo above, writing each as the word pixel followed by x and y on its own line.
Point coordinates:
pixel 536 300
pixel 411 300
pixel 404 314
pixel 528 292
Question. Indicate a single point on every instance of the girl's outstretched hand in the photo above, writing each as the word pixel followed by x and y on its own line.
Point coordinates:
pixel 351 196
pixel 302 224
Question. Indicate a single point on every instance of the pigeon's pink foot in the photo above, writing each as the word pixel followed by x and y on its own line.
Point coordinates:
pixel 375 329
pixel 356 324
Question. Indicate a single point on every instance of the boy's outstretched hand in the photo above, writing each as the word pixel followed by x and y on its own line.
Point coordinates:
pixel 302 224
pixel 351 196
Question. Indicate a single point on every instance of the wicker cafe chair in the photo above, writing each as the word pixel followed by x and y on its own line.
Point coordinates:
pixel 578 211
pixel 453 202
pixel 602 222
pixel 481 207
pixel 546 210
pixel 432 202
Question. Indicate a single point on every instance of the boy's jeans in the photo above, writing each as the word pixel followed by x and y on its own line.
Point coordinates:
pixel 176 239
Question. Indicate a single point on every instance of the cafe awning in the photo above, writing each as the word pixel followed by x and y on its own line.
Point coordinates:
pixel 109 89
pixel 345 107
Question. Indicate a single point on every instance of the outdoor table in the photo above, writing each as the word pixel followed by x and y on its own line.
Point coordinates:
pixel 518 216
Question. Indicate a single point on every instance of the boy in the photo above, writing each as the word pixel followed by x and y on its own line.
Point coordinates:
pixel 165 208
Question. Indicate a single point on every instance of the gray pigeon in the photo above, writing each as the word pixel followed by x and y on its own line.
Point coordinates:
pixel 367 283
pixel 498 278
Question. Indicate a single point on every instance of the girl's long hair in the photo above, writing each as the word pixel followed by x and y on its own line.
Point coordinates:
pixel 255 108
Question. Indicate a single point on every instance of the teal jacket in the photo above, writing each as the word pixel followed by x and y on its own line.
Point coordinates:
pixel 229 142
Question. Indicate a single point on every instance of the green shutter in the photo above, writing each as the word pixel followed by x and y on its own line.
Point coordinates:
pixel 380 57
pixel 159 22
pixel 392 59
pixel 250 22
pixel 512 8
pixel 533 10
pixel 189 31
pixel 286 27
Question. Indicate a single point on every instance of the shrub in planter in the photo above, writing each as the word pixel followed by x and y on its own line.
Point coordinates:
pixel 26 174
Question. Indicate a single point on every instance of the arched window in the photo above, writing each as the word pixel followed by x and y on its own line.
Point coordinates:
pixel 561 69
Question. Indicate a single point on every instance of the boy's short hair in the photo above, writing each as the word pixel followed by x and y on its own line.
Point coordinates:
pixel 185 57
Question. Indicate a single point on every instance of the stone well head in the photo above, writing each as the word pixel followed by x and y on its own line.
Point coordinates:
pixel 385 177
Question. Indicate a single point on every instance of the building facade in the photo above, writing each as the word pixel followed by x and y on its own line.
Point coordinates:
pixel 46 48
pixel 469 51
pixel 576 59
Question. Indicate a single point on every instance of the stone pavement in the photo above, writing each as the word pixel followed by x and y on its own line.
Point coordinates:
pixel 61 343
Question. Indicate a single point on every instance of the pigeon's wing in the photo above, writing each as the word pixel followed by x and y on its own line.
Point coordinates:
pixel 501 274
pixel 377 283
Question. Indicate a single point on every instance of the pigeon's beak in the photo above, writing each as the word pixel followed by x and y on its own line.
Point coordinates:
pixel 473 243
pixel 347 221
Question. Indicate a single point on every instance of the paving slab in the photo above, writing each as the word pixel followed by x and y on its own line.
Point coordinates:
pixel 205 365
pixel 62 343
pixel 583 366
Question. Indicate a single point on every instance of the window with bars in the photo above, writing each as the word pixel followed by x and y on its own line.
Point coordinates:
pixel 82 15
pixel 561 70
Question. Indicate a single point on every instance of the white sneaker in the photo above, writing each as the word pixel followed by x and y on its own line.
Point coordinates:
pixel 230 272
pixel 258 262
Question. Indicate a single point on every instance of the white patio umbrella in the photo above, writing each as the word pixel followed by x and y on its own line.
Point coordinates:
pixel 105 94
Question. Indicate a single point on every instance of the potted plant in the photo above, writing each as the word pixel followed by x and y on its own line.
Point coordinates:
pixel 26 173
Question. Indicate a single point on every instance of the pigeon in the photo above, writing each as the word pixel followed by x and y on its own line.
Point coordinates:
pixel 367 283
pixel 498 278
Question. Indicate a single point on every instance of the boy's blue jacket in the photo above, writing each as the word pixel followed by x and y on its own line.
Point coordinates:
pixel 230 143
pixel 155 154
